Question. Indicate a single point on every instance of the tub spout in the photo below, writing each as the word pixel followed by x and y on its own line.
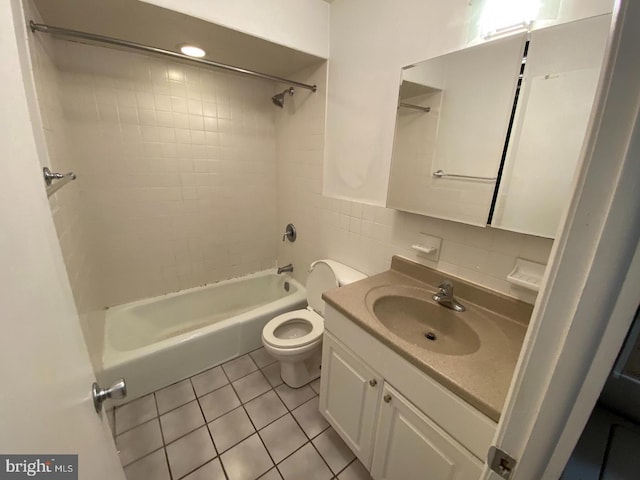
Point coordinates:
pixel 286 268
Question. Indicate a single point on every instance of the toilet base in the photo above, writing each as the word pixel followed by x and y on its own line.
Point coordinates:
pixel 298 374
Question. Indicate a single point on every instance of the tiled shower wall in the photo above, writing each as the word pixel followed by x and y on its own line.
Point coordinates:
pixel 66 205
pixel 365 236
pixel 176 169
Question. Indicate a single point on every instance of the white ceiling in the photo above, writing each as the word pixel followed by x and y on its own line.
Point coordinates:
pixel 151 25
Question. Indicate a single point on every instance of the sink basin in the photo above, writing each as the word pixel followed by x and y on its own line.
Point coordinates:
pixel 412 315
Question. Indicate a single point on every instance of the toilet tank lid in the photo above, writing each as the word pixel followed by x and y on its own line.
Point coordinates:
pixel 343 273
pixel 325 275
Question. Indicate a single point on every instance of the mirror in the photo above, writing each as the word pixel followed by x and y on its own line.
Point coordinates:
pixel 556 97
pixel 469 94
pixel 455 155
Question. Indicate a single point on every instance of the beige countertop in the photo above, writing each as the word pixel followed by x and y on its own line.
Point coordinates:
pixel 482 377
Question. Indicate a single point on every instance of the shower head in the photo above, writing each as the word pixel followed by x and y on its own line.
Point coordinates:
pixel 278 99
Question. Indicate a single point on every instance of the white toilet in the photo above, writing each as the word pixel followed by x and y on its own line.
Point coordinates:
pixel 295 338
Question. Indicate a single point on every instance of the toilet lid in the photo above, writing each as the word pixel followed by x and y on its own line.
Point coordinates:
pixel 321 278
pixel 312 320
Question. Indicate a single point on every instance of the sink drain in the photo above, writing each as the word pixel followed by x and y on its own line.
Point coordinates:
pixel 430 336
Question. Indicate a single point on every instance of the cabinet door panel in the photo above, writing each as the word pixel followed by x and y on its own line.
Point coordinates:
pixel 349 395
pixel 409 446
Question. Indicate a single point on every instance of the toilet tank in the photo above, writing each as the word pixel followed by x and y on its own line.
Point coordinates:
pixel 325 275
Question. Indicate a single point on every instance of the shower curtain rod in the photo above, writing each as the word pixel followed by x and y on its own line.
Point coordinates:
pixel 40 27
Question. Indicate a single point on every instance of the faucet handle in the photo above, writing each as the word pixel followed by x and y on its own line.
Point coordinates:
pixel 446 286
pixel 290 233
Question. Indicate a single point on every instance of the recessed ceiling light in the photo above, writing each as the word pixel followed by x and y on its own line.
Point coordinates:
pixel 192 51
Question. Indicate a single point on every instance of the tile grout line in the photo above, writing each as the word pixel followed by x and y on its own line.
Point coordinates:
pixel 164 445
pixel 206 425
pixel 139 424
pixel 173 410
pixel 189 378
pixel 305 433
pixel 257 432
pixel 309 439
pixel 142 457
pixel 289 411
pixel 347 466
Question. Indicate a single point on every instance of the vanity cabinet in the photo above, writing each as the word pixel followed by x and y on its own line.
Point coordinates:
pixel 349 397
pixel 410 446
pixel 391 436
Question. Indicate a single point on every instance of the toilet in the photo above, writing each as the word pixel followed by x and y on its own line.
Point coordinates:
pixel 295 338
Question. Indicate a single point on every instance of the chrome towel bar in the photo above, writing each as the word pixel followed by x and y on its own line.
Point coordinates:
pixel 60 180
pixel 414 107
pixel 441 174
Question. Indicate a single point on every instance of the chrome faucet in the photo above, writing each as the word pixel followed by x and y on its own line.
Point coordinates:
pixel 445 297
pixel 286 268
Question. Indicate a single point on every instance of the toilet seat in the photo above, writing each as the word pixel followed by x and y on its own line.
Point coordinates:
pixel 295 338
pixel 317 328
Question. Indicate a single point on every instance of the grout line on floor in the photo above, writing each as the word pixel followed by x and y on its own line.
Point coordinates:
pixel 157 417
pixel 144 456
pixel 288 411
pixel 206 425
pixel 164 444
pixel 346 466
pixel 305 433
pixel 275 465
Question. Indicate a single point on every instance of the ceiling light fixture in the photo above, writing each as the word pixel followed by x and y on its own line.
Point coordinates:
pixel 192 51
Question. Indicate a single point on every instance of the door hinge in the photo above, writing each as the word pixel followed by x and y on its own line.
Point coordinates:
pixel 501 462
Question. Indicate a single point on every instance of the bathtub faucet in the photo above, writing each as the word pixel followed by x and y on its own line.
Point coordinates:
pixel 286 268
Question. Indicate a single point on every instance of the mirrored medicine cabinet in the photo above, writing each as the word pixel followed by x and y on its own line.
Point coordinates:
pixel 491 134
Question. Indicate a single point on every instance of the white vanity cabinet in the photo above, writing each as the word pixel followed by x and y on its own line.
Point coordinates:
pixel 400 423
pixel 349 397
pixel 410 446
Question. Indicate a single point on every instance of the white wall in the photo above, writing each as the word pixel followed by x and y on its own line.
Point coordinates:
pixel 370 41
pixel 299 24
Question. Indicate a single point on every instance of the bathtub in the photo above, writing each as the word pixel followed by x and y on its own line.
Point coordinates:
pixel 155 342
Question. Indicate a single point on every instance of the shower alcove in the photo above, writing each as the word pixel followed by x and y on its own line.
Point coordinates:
pixel 180 165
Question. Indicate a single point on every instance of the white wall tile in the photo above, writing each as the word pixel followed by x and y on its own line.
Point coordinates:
pixel 156 189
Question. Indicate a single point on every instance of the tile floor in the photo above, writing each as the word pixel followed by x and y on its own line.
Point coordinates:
pixel 237 421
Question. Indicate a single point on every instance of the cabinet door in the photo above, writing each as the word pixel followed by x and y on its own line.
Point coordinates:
pixel 411 447
pixel 349 395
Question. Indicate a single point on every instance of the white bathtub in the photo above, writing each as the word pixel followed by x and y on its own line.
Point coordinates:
pixel 158 341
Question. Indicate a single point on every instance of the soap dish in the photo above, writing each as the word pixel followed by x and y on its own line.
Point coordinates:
pixel 427 247
pixel 527 274
pixel 424 249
